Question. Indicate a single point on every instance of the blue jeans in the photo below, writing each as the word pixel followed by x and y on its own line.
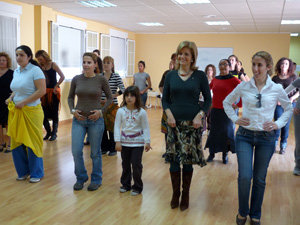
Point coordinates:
pixel 94 129
pixel 144 98
pixel 261 144
pixel 284 130
pixel 26 162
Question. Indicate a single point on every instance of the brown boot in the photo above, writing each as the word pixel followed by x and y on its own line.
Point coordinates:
pixel 186 183
pixel 175 178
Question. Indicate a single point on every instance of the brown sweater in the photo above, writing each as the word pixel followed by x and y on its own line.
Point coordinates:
pixel 89 92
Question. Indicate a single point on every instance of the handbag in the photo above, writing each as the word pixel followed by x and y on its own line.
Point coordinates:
pixel 109 116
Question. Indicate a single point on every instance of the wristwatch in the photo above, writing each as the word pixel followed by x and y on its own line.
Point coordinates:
pixel 73 111
pixel 202 114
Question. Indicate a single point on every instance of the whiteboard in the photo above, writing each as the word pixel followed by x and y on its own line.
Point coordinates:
pixel 212 56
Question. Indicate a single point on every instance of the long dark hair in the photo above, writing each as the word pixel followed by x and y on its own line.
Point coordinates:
pixel 28 52
pixel 278 64
pixel 134 91
pixel 99 68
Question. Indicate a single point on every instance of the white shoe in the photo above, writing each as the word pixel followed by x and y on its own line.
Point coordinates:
pixel 22 178
pixel 135 193
pixel 34 180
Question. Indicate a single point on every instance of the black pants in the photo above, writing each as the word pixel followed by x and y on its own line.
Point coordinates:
pixel 108 142
pixel 132 157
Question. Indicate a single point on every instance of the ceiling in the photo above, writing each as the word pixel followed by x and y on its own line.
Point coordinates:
pixel 243 15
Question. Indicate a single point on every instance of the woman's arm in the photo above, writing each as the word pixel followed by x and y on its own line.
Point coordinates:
pixel 229 100
pixel 287 106
pixel 120 86
pixel 61 75
pixel 166 102
pixel 149 85
pixel 40 86
pixel 106 89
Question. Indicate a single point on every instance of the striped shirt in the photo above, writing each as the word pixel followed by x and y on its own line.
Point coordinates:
pixel 115 83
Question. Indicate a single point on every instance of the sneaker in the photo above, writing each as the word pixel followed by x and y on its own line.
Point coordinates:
pixel 93 186
pixel 47 136
pixel 78 185
pixel 296 172
pixel 135 193
pixel 124 189
pixel 34 180
pixel 103 152
pixel 7 149
pixel 112 153
pixel 22 178
pixel 210 158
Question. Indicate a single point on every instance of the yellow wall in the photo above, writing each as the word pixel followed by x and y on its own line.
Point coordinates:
pixel 295 49
pixel 156 49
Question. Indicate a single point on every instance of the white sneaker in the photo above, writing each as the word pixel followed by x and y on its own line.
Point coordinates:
pixel 123 189
pixel 135 193
pixel 34 180
pixel 22 178
pixel 296 172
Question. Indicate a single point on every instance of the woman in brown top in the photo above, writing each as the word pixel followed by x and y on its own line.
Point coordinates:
pixel 88 119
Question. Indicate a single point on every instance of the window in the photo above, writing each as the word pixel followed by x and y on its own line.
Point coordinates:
pixel 92 41
pixel 67 45
pixel 10 29
pixel 118 52
pixel 105 45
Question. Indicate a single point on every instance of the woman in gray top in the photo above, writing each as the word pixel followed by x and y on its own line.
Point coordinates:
pixel 291 87
pixel 88 118
pixel 142 81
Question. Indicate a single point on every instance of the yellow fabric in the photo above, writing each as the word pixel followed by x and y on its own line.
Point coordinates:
pixel 25 126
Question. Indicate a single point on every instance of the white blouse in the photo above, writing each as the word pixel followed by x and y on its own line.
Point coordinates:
pixel 271 93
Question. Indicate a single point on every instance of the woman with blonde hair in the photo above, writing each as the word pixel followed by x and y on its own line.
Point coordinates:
pixel 50 101
pixel 180 101
pixel 117 88
pixel 6 76
pixel 255 137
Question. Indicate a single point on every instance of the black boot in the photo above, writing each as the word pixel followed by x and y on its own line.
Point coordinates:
pixel 225 157
pixel 54 131
pixel 47 128
pixel 186 183
pixel 175 178
pixel 211 157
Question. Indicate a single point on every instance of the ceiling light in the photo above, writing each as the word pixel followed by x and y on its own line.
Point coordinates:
pixel 97 3
pixel 217 23
pixel 294 34
pixel 182 2
pixel 290 21
pixel 151 24
pixel 209 16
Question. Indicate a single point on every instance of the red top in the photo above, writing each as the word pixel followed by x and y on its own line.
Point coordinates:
pixel 221 87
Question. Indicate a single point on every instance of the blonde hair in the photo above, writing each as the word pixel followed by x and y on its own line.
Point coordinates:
pixel 44 54
pixel 192 46
pixel 8 59
pixel 268 59
pixel 110 59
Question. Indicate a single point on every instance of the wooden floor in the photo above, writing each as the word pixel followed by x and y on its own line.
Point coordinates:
pixel 213 190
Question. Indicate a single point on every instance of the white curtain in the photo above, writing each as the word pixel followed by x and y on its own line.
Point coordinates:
pixel 8 37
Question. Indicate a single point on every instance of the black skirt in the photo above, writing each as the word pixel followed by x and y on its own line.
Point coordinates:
pixel 221 135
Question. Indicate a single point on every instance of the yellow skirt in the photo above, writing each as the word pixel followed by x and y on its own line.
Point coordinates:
pixel 25 126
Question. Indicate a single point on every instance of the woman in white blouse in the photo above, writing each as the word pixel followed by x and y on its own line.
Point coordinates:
pixel 256 131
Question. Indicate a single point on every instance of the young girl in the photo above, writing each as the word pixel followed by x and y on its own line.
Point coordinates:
pixel 132 135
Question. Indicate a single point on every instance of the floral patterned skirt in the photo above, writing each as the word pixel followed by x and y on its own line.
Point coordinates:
pixel 184 144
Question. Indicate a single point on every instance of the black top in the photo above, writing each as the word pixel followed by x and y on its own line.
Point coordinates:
pixel 162 81
pixel 286 82
pixel 50 75
pixel 182 97
pixel 5 91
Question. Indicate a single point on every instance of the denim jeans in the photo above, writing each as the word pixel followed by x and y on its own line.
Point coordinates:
pixel 297 141
pixel 94 129
pixel 261 145
pixel 26 162
pixel 284 130
pixel 144 98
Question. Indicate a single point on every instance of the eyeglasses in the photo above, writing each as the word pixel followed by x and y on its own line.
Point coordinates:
pixel 258 104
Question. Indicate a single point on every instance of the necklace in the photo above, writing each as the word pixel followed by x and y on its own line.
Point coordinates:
pixel 183 74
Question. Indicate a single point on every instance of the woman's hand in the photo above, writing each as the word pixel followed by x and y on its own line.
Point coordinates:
pixel 8 100
pixel 296 111
pixel 197 121
pixel 55 90
pixel 171 121
pixel 78 116
pixel 147 147
pixel 96 114
pixel 20 105
pixel 118 146
pixel 269 126
pixel 243 121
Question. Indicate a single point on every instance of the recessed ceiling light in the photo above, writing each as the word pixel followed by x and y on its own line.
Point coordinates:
pixel 294 34
pixel 290 21
pixel 209 16
pixel 217 23
pixel 182 2
pixel 151 24
pixel 97 3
